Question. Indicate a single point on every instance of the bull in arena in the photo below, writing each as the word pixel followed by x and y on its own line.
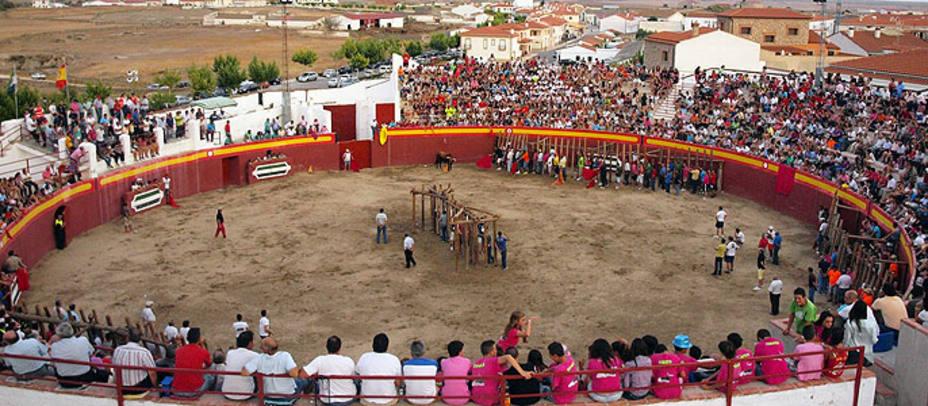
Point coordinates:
pixel 444 160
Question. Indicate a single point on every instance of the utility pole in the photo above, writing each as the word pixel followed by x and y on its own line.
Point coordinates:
pixel 820 68
pixel 285 102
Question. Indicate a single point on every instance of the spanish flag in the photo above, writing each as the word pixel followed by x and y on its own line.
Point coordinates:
pixel 62 81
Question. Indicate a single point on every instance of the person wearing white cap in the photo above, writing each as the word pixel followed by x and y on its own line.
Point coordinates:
pixel 346 158
pixel 148 317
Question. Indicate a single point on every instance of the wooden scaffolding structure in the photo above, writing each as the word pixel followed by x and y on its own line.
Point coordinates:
pixel 470 231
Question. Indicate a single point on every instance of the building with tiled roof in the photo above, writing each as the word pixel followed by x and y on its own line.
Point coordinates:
pixel 500 43
pixel 876 42
pixel 699 47
pixel 767 26
pixel 908 66
pixel 625 23
pixel 900 22
pixel 764 13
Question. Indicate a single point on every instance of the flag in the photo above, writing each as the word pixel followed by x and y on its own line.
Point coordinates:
pixel 14 82
pixel 62 81
pixel 486 162
pixel 786 178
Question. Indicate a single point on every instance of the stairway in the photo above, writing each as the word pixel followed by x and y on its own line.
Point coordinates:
pixel 885 383
pixel 667 107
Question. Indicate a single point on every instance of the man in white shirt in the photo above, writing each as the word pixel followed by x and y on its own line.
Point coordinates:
pixel 730 249
pixel 134 354
pixel 184 329
pixel 775 290
pixel 148 317
pixel 843 285
pixel 346 159
pixel 381 220
pixel 379 363
pixel 25 370
pixel 264 325
pixel 235 361
pixel 720 222
pixel 332 392
pixel 408 246
pixel 239 326
pixel 170 331
pixel 71 348
pixel 739 237
pixel 274 362
pixel 420 366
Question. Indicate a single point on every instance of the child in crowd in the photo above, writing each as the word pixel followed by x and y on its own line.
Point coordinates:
pixel 775 370
pixel 518 327
pixel 809 364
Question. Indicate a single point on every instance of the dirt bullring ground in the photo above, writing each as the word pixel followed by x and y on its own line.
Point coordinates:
pixel 589 263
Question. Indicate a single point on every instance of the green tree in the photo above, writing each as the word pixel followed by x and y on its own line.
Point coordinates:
pixel 161 100
pixel 439 42
pixel 305 57
pixel 28 98
pixel 359 61
pixel 717 8
pixel 414 48
pixel 169 78
pixel 642 34
pixel 96 88
pixel 228 71
pixel 261 72
pixel 202 79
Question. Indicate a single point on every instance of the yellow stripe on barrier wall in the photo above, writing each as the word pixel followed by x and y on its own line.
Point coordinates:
pixel 272 144
pixel 853 200
pixel 46 205
pixel 438 131
pixel 879 217
pixel 818 184
pixel 134 172
pixel 576 134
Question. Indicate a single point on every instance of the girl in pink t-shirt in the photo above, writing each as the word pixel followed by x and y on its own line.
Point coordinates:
pixel 519 326
pixel 605 387
pixel 455 391
pixel 720 379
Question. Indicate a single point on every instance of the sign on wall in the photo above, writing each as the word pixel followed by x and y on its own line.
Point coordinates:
pixel 146 199
pixel 271 170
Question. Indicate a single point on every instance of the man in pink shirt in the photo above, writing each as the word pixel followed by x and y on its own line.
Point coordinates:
pixel 563 387
pixel 486 385
pixel 741 353
pixel 455 391
pixel 772 371
pixel 809 366
pixel 681 347
pixel 668 375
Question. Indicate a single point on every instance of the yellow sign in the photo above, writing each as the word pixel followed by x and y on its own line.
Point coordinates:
pixel 383 135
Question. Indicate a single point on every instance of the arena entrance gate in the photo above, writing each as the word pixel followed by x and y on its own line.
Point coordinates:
pixel 469 230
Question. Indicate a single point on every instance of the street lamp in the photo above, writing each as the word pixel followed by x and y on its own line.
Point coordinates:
pixel 285 96
pixel 820 68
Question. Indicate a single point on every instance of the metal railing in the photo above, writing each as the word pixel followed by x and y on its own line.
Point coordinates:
pixel 726 387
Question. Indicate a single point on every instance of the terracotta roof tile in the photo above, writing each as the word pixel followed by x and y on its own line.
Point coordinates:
pixel 498 31
pixel 870 43
pixel 907 66
pixel 883 20
pixel 667 37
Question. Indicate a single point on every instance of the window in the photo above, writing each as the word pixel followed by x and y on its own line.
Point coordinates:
pixel 770 38
pixel 466 43
pixel 745 30
pixel 485 42
pixel 793 31
pixel 493 42
pixel 502 45
pixel 666 56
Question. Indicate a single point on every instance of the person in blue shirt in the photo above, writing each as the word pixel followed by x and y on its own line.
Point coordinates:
pixel 501 245
pixel 777 242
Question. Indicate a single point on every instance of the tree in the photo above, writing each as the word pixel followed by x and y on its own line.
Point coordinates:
pixel 332 23
pixel 717 8
pixel 161 100
pixel 359 61
pixel 439 42
pixel 28 98
pixel 414 48
pixel 228 71
pixel 261 72
pixel 305 57
pixel 96 88
pixel 169 78
pixel 642 34
pixel 202 79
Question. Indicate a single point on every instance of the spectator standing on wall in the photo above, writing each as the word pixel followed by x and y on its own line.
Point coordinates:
pixel 381 220
pixel 802 312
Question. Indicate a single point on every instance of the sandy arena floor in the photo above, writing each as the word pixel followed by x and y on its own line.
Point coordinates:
pixel 589 263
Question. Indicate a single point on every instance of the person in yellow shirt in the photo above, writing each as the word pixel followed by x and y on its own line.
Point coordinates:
pixel 719 256
pixel 892 307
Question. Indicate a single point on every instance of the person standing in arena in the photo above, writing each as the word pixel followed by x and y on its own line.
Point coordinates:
pixel 730 249
pixel 381 220
pixel 220 224
pixel 719 257
pixel 720 221
pixel 264 325
pixel 408 246
pixel 502 243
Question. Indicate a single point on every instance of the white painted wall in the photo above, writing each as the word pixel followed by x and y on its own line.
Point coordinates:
pixel 717 48
pixel 705 22
pixel 822 395
pixel 619 24
pixel 911 369
pixel 661 26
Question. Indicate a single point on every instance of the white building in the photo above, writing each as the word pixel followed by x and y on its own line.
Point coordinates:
pixel 700 47
pixel 237 3
pixel 526 4
pixel 666 21
pixel 485 43
pixel 587 53
pixel 819 23
pixel 357 22
pixel 296 22
pixel 222 19
pixel 623 23
pixel 703 19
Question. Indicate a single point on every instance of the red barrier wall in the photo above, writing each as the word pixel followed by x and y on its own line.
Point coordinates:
pixel 343 122
pixel 385 113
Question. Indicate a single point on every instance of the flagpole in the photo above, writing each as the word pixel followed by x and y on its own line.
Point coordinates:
pixel 15 91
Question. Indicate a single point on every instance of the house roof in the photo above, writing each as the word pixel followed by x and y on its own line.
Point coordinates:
pixel 908 66
pixel 552 21
pixel 896 43
pixel 816 39
pixel 372 16
pixel 625 16
pixel 701 14
pixel 224 16
pixel 887 20
pixel 495 31
pixel 771 13
pixel 668 37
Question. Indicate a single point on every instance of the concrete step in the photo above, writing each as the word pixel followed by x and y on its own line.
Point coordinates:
pixel 885 374
pixel 884 395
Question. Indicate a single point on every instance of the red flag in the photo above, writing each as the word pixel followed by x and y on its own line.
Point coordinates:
pixel 62 80
pixel 486 162
pixel 786 178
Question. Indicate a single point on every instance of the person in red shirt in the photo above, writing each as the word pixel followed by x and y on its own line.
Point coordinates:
pixel 836 359
pixel 772 371
pixel 192 356
pixel 720 379
pixel 681 347
pixel 741 353
pixel 519 326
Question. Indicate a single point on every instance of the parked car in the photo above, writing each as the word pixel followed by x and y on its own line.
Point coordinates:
pixel 344 69
pixel 154 86
pixel 38 76
pixel 334 82
pixel 183 84
pixel 247 86
pixel 182 100
pixel 307 77
pixel 275 81
pixel 385 69
pixel 329 73
pixel 220 92
pixel 370 73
